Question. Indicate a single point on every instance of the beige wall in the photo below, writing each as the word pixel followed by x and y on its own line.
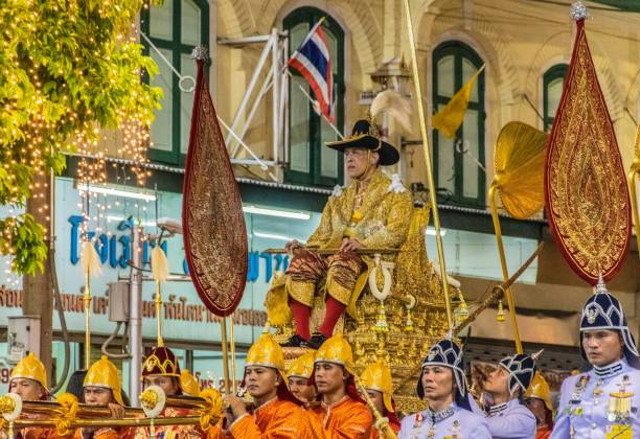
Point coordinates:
pixel 519 40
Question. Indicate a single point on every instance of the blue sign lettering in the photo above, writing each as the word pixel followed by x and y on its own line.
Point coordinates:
pixel 116 251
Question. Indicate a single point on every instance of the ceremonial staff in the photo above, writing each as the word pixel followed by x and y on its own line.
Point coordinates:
pixel 427 160
pixel 90 263
pixel 214 231
pixel 519 161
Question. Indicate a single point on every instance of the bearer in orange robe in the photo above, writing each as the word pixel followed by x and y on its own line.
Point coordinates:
pixel 300 378
pixel 29 381
pixel 376 379
pixel 342 413
pixel 537 398
pixel 277 414
pixel 102 388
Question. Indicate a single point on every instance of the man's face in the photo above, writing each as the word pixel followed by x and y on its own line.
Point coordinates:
pixel 537 407
pixel 329 377
pixel 498 381
pixel 300 388
pixel 437 382
pixel 359 160
pixel 26 389
pixel 261 381
pixel 602 346
pixel 168 384
pixel 376 399
pixel 97 396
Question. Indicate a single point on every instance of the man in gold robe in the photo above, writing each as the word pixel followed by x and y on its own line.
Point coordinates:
pixel 373 212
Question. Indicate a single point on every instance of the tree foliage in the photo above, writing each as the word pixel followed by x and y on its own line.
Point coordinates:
pixel 67 69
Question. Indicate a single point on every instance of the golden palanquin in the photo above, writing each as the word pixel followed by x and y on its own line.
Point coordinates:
pixel 400 329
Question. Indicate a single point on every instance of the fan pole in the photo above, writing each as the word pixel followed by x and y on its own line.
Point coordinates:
pixel 225 355
pixel 233 354
pixel 503 262
pixel 427 159
pixel 631 178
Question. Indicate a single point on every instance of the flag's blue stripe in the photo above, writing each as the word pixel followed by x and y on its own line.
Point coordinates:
pixel 315 57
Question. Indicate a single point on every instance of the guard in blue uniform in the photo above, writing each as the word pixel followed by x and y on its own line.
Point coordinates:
pixel 603 402
pixel 506 417
pixel 443 386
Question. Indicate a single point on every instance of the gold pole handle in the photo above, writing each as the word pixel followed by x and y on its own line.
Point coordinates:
pixel 87 323
pixel 427 159
pixel 225 355
pixel 634 202
pixel 503 262
pixel 159 314
pixel 232 340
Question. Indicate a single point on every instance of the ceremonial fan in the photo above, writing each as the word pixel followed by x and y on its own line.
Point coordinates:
pixel 519 161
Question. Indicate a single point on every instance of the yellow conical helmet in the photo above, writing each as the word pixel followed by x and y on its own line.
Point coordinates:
pixel 539 388
pixel 103 373
pixel 302 367
pixel 189 383
pixel 266 352
pixel 336 350
pixel 31 367
pixel 377 376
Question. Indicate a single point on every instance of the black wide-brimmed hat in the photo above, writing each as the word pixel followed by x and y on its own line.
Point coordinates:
pixel 364 135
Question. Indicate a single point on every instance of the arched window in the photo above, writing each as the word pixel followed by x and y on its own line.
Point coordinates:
pixel 310 161
pixel 456 166
pixel 176 27
pixel 552 86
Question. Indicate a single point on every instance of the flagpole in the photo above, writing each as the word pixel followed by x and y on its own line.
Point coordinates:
pixel 315 106
pixel 427 158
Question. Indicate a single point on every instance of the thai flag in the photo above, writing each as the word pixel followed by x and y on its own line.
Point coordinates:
pixel 313 62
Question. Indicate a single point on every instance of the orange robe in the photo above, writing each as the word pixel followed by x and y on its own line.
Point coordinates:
pixel 345 419
pixel 32 432
pixel 375 434
pixel 543 432
pixel 276 419
pixel 171 431
pixel 101 433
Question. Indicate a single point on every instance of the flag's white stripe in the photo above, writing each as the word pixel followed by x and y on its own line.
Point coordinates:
pixel 320 44
pixel 320 80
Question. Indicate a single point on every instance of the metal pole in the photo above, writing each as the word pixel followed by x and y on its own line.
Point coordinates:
pixel 135 318
pixel 275 90
pixel 249 91
pixel 427 160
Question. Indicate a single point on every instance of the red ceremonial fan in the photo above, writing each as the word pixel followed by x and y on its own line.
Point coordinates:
pixel 587 199
pixel 215 235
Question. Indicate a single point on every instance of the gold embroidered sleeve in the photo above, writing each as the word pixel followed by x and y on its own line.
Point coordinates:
pixel 322 234
pixel 396 225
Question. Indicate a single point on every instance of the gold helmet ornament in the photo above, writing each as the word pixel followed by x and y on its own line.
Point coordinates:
pixel 377 376
pixel 302 367
pixel 336 350
pixel 31 368
pixel 189 383
pixel 539 388
pixel 103 373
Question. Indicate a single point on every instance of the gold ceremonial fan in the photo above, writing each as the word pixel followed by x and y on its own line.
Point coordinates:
pixel 519 157
pixel 519 160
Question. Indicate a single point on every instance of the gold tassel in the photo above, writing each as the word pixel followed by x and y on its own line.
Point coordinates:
pixel 398 107
pixel 500 317
pixel 89 260
pixel 159 264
